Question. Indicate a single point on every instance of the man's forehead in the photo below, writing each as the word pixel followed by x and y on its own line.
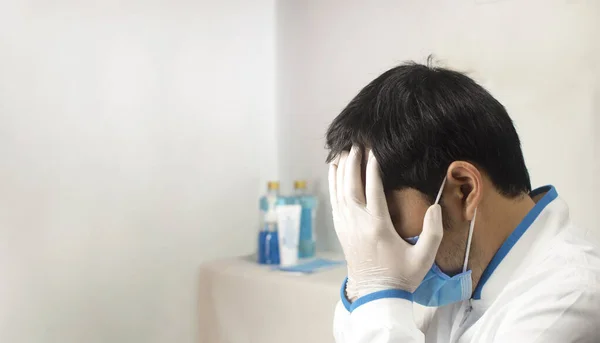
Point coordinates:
pixel 407 200
pixel 363 166
pixel 365 158
pixel 408 197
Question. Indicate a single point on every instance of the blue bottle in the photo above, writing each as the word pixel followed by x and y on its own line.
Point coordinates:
pixel 268 240
pixel 272 245
pixel 262 238
pixel 306 248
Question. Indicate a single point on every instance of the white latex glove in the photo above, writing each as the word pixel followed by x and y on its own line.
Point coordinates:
pixel 377 257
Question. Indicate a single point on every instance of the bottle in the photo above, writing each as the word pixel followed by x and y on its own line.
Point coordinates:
pixel 268 242
pixel 272 244
pixel 306 248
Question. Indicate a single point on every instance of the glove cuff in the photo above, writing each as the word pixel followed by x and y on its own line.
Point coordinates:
pixel 383 294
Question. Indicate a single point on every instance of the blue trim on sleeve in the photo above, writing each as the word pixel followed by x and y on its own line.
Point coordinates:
pixel 345 301
pixel 550 195
pixel 388 293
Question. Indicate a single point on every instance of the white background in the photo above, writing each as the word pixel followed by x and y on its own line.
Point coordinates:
pixel 133 141
pixel 134 138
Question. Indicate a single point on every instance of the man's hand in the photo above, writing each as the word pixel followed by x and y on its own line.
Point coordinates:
pixel 377 258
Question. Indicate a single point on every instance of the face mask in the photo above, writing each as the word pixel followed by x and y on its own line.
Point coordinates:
pixel 438 288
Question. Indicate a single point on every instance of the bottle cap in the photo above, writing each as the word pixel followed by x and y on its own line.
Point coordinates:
pixel 300 184
pixel 273 185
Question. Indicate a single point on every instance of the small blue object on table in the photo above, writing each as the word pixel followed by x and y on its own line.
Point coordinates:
pixel 311 266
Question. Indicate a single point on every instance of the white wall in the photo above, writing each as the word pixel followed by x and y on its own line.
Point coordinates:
pixel 538 57
pixel 133 141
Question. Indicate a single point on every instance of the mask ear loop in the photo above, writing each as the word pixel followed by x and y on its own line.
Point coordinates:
pixel 471 226
pixel 439 195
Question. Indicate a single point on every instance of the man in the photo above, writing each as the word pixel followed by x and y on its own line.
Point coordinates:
pixel 433 206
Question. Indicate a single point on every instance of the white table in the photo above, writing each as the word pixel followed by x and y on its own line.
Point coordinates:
pixel 241 301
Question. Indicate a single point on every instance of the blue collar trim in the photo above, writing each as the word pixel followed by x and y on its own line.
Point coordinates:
pixel 550 195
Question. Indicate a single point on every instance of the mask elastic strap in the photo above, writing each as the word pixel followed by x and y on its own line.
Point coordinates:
pixel 471 225
pixel 439 195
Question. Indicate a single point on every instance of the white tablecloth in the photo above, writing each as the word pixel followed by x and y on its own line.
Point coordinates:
pixel 241 301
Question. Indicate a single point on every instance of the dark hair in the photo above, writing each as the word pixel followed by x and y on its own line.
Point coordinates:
pixel 418 119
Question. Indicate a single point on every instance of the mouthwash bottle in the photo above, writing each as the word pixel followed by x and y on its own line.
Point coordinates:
pixel 268 240
pixel 308 202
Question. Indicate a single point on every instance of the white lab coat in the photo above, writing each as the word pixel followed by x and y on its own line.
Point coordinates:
pixel 545 287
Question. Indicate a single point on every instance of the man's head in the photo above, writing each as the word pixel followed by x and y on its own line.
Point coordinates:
pixel 423 124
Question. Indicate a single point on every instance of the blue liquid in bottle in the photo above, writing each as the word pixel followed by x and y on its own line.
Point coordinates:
pixel 272 246
pixel 268 242
pixel 262 252
pixel 307 242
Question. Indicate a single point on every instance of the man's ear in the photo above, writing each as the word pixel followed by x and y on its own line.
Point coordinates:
pixel 466 185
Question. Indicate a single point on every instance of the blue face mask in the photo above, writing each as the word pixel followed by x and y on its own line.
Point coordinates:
pixel 438 288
